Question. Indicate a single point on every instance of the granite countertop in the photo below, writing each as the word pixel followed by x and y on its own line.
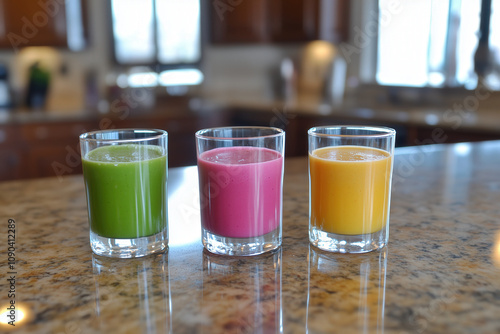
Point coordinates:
pixel 440 272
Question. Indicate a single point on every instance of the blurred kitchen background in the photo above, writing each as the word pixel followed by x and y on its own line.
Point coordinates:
pixel 428 68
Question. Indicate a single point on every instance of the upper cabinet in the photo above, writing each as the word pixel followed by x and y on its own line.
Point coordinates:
pixel 293 20
pixel 56 23
pixel 277 21
pixel 238 21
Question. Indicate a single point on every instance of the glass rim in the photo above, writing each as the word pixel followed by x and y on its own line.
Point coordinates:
pixel 379 131
pixel 156 134
pixel 200 134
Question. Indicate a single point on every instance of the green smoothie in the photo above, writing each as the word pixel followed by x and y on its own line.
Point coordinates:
pixel 126 190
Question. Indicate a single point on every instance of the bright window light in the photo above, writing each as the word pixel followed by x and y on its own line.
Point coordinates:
pixel 493 79
pixel 157 31
pixel 432 42
pixel 74 25
pixel 495 32
pixel 147 79
pixel 181 77
pixel 170 78
pixel 178 31
pixel 468 34
pixel 133 31
pixel 437 42
pixel 403 44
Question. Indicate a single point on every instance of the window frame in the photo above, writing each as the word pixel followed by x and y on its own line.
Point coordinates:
pixel 362 13
pixel 156 65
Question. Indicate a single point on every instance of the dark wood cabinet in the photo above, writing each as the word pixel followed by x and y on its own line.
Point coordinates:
pixel 11 153
pixel 264 21
pixel 238 21
pixel 12 163
pixel 38 23
pixel 48 149
pixel 51 148
pixel 293 20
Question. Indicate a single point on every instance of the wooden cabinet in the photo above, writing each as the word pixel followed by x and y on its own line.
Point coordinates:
pixel 39 23
pixel 54 160
pixel 54 147
pixel 11 154
pixel 51 148
pixel 293 20
pixel 11 166
pixel 48 149
pixel 45 149
pixel 238 21
pixel 426 135
pixel 262 21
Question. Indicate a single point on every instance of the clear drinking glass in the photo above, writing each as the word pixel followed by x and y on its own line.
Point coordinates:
pixel 125 173
pixel 350 174
pixel 241 188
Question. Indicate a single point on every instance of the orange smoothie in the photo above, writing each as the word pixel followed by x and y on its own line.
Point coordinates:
pixel 349 189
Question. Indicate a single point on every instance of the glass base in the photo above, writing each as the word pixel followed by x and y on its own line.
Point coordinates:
pixel 129 248
pixel 342 243
pixel 241 246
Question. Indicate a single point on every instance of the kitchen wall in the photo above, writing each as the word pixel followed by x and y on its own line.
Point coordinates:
pixel 245 71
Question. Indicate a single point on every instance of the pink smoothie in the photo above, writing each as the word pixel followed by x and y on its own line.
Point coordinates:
pixel 240 191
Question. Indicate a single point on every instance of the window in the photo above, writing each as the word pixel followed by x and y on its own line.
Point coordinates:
pixel 433 43
pixel 133 31
pixel 165 34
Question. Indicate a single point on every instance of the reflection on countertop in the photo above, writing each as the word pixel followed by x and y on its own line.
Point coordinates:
pixel 138 290
pixel 242 296
pixel 346 291
pixel 439 273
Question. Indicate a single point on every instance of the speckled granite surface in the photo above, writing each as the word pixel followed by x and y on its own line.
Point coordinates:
pixel 439 274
